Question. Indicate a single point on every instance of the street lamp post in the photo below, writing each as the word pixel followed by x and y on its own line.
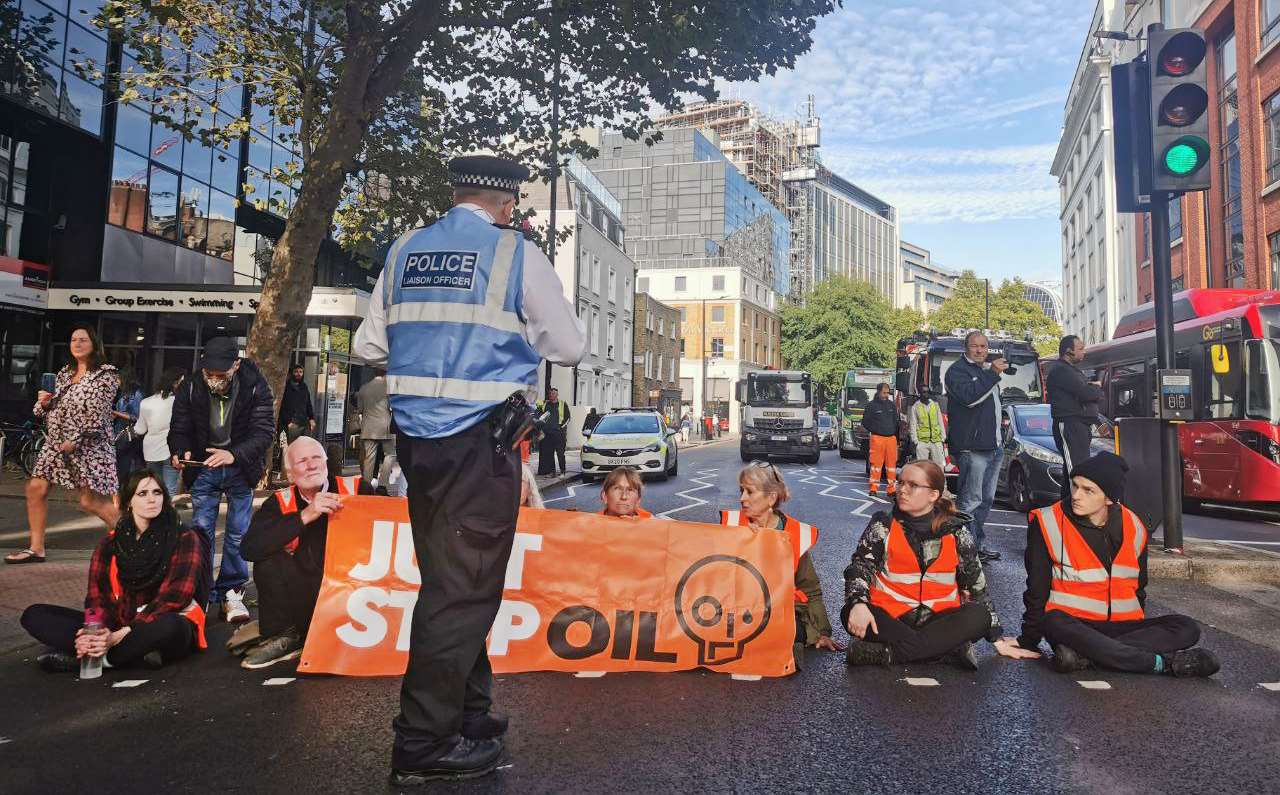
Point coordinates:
pixel 702 347
pixel 555 161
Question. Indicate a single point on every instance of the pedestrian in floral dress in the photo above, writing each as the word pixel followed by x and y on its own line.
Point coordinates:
pixel 78 453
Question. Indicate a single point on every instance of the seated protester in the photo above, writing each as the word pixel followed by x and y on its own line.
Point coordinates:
pixel 620 494
pixel 144 579
pixel 530 497
pixel 903 587
pixel 762 490
pixel 285 542
pixel 1086 584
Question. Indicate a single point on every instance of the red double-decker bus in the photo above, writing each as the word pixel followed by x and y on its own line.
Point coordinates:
pixel 1230 341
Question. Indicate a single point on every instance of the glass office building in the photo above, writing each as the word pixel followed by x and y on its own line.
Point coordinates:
pixel 111 218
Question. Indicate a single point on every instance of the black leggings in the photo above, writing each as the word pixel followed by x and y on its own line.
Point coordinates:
pixel 941 633
pixel 168 633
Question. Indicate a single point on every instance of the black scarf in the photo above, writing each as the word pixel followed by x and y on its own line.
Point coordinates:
pixel 142 560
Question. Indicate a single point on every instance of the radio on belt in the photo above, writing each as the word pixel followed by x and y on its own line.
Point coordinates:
pixel 1175 395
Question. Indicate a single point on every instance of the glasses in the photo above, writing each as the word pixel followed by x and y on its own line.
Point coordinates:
pixel 773 470
pixel 906 485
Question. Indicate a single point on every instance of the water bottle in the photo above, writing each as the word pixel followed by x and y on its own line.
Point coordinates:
pixel 94 624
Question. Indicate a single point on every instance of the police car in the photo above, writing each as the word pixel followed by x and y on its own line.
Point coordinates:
pixel 635 437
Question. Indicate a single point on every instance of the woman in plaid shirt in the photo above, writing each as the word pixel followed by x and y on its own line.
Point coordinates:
pixel 144 579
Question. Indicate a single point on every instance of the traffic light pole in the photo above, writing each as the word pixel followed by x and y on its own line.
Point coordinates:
pixel 1170 454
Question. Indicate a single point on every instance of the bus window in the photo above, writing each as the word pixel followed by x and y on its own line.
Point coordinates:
pixel 1128 390
pixel 1262 373
pixel 1222 399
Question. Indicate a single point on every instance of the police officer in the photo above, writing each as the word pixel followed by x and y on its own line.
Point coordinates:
pixel 462 314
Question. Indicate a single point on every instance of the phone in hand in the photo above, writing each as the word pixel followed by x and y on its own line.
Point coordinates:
pixel 48 382
pixel 190 463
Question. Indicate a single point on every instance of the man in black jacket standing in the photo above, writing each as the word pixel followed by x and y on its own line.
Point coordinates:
pixel 880 418
pixel 1074 405
pixel 219 435
pixel 973 432
pixel 297 410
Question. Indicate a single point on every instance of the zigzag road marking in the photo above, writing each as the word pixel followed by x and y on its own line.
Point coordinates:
pixel 572 489
pixel 704 474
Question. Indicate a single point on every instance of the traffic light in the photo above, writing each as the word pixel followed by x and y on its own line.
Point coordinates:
pixel 1178 101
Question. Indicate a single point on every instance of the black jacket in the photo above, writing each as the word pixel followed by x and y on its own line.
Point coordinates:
pixel 295 404
pixel 1069 394
pixel 880 418
pixel 271 529
pixel 971 412
pixel 1105 543
pixel 252 425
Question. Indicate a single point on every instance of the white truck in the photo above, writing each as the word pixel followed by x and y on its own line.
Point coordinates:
pixel 779 415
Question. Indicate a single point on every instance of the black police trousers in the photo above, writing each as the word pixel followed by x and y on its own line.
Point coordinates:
pixel 463 501
pixel 1073 435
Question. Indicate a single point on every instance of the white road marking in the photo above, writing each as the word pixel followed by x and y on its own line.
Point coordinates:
pixel 746 677
pixel 279 680
pixel 1272 686
pixel 858 511
pixel 1015 526
pixel 1093 684
pixel 589 674
pixel 130 682
pixel 921 681
pixel 704 474
pixel 572 489
pixel 4 740
pixel 1251 543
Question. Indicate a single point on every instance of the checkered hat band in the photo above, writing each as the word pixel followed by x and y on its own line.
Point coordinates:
pixel 484 181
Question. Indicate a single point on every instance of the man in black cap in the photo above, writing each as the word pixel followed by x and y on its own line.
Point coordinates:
pixel 463 313
pixel 1086 585
pixel 219 435
pixel 1073 403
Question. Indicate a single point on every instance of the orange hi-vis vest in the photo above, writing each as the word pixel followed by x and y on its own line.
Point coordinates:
pixel 801 536
pixel 641 513
pixel 900 586
pixel 288 498
pixel 1082 586
pixel 192 612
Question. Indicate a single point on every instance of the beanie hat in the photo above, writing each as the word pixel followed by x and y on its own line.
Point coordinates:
pixel 1107 470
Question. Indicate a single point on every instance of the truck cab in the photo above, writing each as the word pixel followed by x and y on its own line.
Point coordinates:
pixel 779 415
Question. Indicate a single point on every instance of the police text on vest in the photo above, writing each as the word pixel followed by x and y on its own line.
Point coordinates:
pixel 454 270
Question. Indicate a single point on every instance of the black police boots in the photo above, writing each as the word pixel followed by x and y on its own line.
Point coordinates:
pixel 468 759
pixel 485 726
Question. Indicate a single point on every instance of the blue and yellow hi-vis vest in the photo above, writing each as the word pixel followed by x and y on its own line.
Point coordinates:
pixel 455 325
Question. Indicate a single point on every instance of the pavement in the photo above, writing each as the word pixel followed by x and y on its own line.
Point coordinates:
pixel 1009 727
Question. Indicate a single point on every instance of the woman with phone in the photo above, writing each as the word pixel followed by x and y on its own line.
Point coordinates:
pixel 79 452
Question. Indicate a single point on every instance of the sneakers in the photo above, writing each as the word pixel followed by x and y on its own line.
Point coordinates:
pixel 468 759
pixel 865 652
pixel 58 662
pixel 285 646
pixel 962 657
pixel 1067 660
pixel 233 609
pixel 1191 662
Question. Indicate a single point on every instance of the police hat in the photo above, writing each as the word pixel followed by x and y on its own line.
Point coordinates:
pixel 487 171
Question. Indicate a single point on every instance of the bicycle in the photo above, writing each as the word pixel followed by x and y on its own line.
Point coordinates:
pixel 23 444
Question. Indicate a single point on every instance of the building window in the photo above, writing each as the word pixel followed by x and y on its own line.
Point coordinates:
pixel 682 283
pixel 717 282
pixel 627 294
pixel 717 314
pixel 613 284
pixel 1271 109
pixel 717 346
pixel 1175 219
pixel 1269 20
pixel 594 331
pixel 657 373
pixel 1229 134
pixel 682 346
pixel 684 314
pixel 608 341
pixel 1273 245
pixel 662 326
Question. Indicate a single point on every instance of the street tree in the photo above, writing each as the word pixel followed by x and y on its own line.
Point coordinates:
pixel 374 96
pixel 1010 310
pixel 843 324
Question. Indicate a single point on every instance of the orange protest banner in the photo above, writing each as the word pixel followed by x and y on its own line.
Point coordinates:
pixel 583 593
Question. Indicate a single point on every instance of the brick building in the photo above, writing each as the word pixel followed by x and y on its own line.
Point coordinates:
pixel 655 374
pixel 1229 236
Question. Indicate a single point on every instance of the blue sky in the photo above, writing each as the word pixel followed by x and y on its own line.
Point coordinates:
pixel 950 111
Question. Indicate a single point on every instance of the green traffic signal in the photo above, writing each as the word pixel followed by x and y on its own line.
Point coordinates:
pixel 1186 155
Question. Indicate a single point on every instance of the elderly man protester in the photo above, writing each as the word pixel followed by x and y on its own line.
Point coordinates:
pixel 286 542
pixel 973 414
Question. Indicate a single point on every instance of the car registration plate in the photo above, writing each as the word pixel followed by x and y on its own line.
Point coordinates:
pixel 778 438
pixel 618 462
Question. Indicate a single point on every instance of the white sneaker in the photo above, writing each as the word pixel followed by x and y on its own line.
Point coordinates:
pixel 234 610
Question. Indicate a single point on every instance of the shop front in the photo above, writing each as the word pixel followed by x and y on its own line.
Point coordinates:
pixel 147 330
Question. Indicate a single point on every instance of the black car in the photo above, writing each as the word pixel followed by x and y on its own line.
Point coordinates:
pixel 1031 470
